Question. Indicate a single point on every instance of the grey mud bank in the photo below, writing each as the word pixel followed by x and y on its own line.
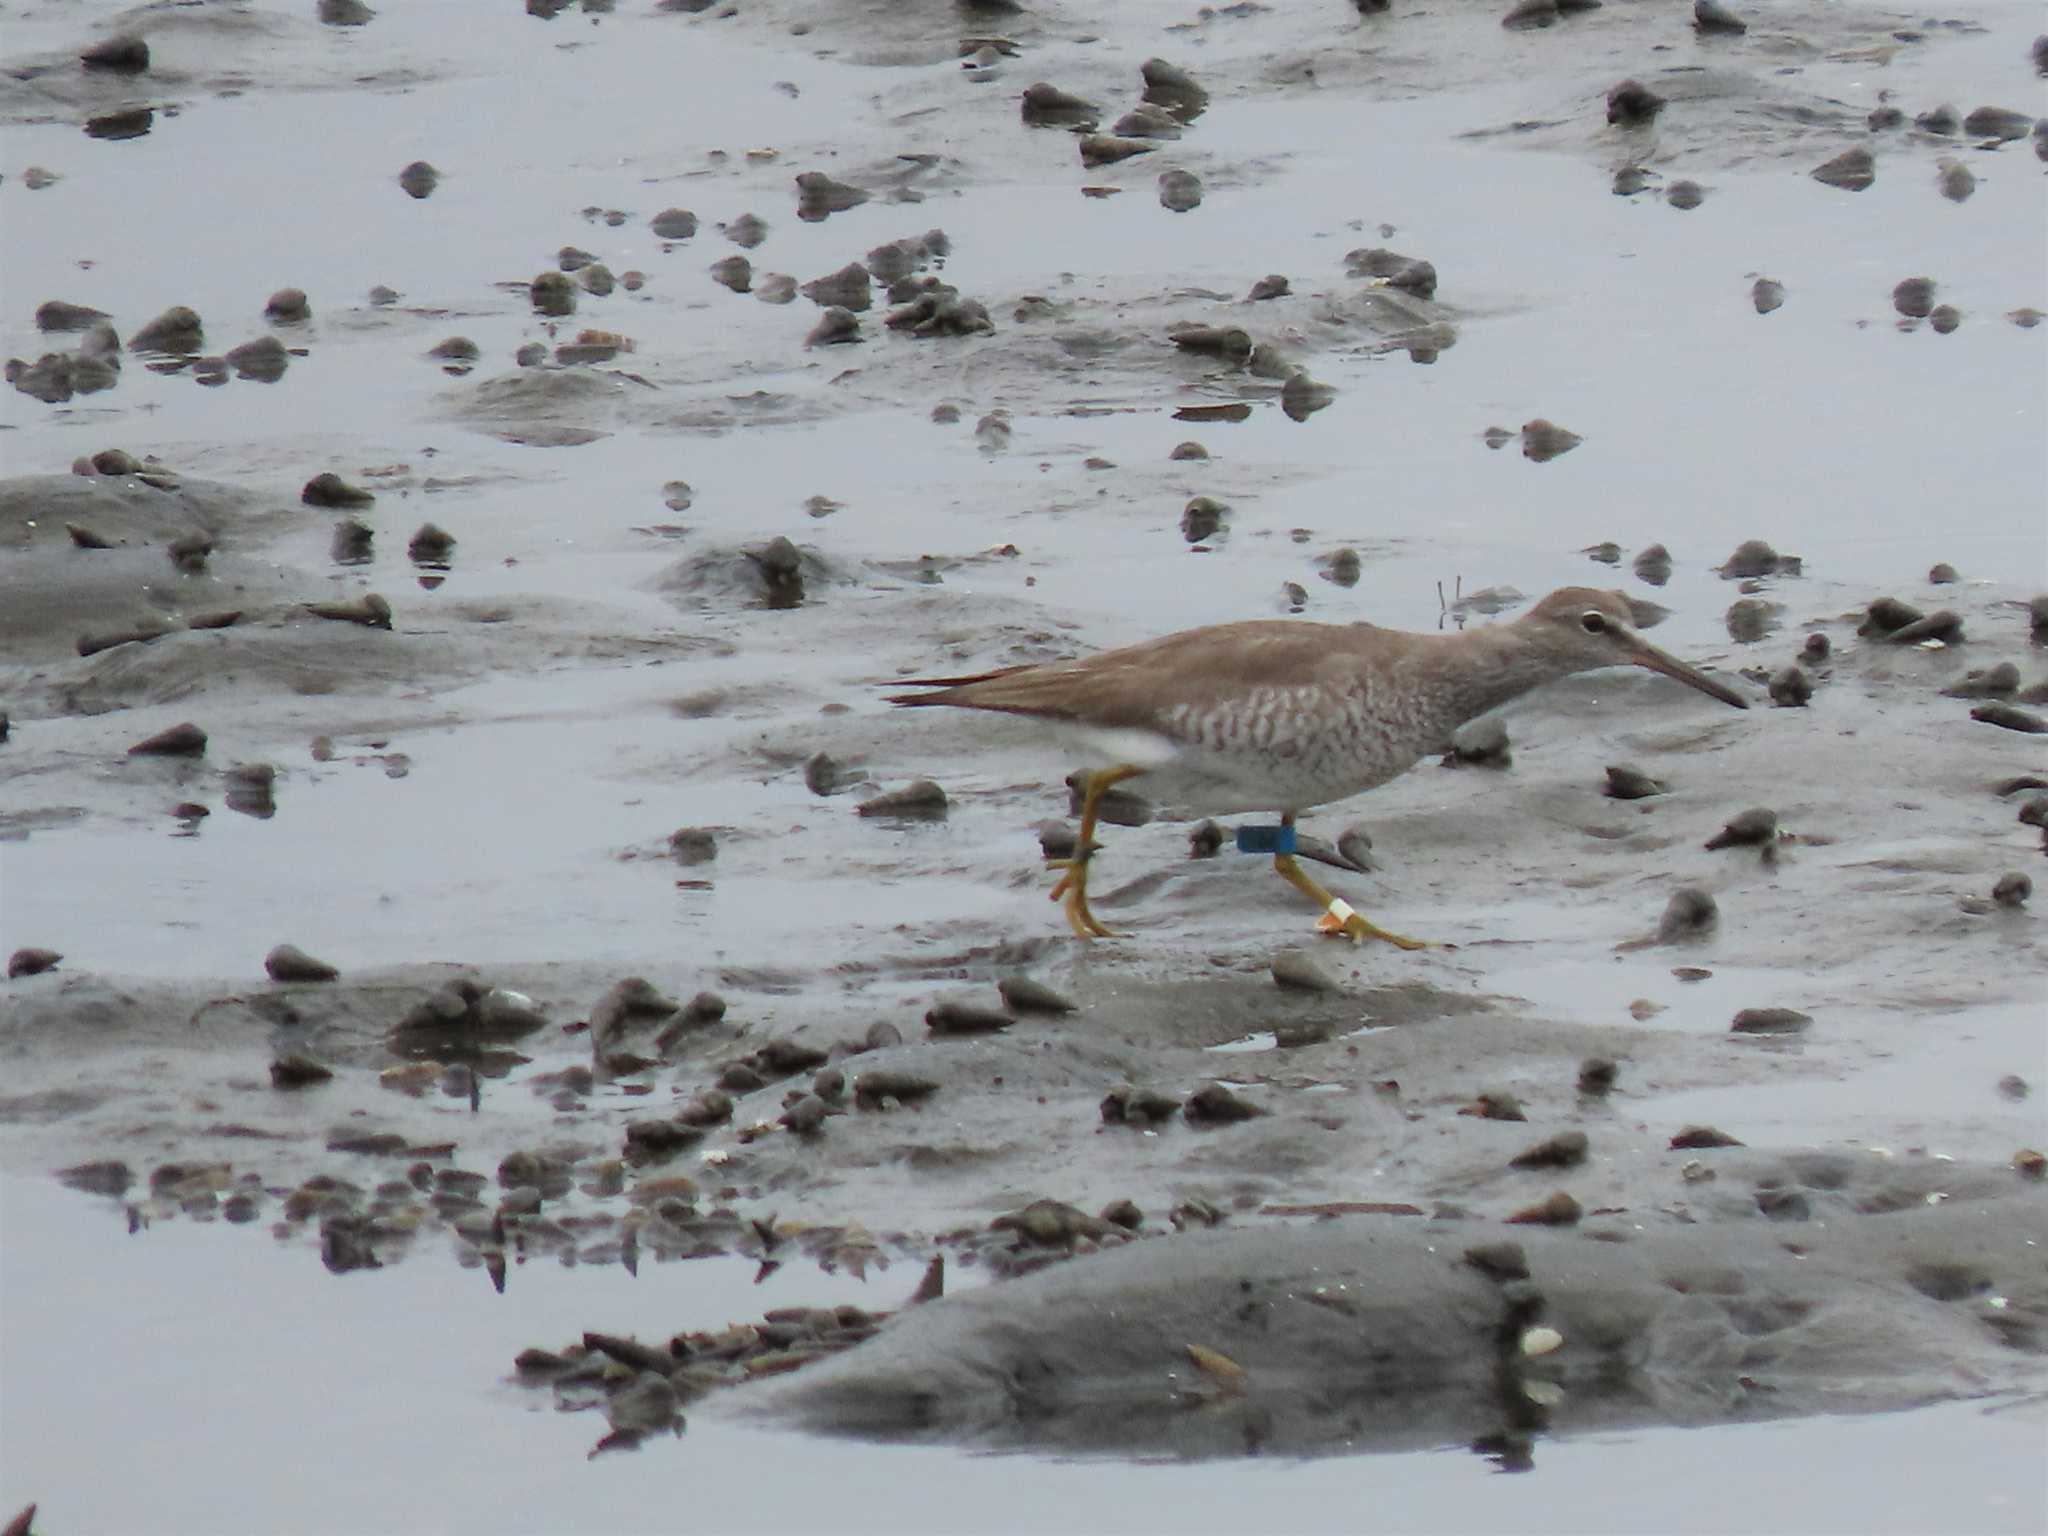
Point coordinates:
pixel 529 538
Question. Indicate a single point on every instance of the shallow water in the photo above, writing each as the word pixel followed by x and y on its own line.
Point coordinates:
pixel 239 1388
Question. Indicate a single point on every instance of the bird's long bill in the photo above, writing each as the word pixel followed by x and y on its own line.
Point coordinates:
pixel 1647 655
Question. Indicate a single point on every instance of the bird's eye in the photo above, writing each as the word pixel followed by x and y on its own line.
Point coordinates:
pixel 1593 622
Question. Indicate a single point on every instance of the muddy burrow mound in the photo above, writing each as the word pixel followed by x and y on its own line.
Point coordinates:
pixel 97 554
pixel 1341 1336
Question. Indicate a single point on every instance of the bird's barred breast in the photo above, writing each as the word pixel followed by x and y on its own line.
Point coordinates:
pixel 1291 748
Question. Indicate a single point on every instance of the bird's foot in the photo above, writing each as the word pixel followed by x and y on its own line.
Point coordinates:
pixel 1343 919
pixel 1072 892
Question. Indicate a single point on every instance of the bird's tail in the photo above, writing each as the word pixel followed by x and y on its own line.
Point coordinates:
pixel 942 687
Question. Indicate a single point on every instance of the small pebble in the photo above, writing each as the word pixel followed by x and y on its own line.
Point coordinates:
pixel 1756 828
pixel 1998 682
pixel 919 800
pixel 288 306
pixel 124 54
pixel 1998 124
pixel 1124 1213
pixel 1767 294
pixel 431 545
pixel 738 1077
pixel 185 740
pixel 1752 557
pixel 1294 970
pixel 1138 1106
pixel 1771 1021
pixel 1943 625
pixel 1566 1149
pixel 189 551
pixel 288 962
pixel 298 1070
pixel 1170 86
pixel 1047 106
pixel 1791 688
pixel 1024 995
pixel 838 326
pixel 370 610
pixel 1201 519
pixel 1784 1205
pixel 31 960
pixel 1495 1104
pixel 818 195
pixel 330 490
pixel 1057 839
pixel 1544 440
pixel 963 1018
pixel 1482 743
pixel 1691 913
pixel 177 330
pixel 1499 1261
pixel 807 1116
pixel 1354 846
pixel 693 845
pixel 1559 1210
pixel 2012 890
pixel 1699 1137
pixel 1750 619
pixel 1180 191
pixel 1625 781
pixel 1853 170
pixel 734 272
pixel 1099 149
pixel 1597 1076
pixel 1527 15
pixel 1214 1104
pixel 1913 297
pixel 1886 614
pixel 1631 104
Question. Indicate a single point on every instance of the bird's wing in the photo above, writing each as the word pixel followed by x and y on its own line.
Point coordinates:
pixel 1133 686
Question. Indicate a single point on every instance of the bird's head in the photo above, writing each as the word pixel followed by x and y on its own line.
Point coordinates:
pixel 1583 628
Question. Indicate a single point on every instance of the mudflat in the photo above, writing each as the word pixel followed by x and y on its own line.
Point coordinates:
pixel 472 484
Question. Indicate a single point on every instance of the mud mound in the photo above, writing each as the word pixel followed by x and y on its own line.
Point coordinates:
pixel 1346 1337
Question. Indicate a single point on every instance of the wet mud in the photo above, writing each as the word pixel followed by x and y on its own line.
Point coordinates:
pixel 449 803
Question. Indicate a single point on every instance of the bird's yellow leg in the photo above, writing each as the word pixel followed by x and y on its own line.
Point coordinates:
pixel 1338 916
pixel 1073 885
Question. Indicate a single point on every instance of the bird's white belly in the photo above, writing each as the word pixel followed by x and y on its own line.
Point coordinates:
pixel 1194 780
